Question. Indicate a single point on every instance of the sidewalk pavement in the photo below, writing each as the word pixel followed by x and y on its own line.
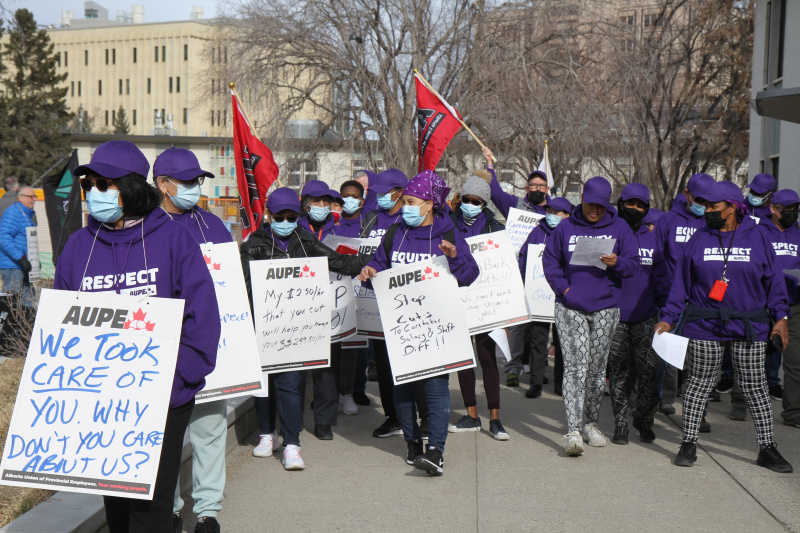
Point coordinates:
pixel 360 483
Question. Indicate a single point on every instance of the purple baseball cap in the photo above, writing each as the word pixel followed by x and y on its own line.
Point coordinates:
pixel 180 164
pixel 537 174
pixel 762 184
pixel 652 216
pixel 700 184
pixel 333 193
pixel 597 190
pixel 639 191
pixel 785 197
pixel 283 198
pixel 389 179
pixel 316 188
pixel 726 191
pixel 115 159
pixel 560 204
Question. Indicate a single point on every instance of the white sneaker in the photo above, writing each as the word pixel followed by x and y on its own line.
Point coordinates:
pixel 291 458
pixel 349 407
pixel 526 369
pixel 574 445
pixel 267 445
pixel 592 436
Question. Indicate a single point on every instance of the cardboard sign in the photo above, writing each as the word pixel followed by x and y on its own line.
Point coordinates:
pixel 33 254
pixel 541 299
pixel 238 370
pixel 497 298
pixel 426 332
pixel 519 224
pixel 292 307
pixel 343 308
pixel 93 399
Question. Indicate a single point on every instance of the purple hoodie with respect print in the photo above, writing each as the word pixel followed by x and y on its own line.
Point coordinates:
pixel 203 226
pixel 787 250
pixel 591 288
pixel 173 268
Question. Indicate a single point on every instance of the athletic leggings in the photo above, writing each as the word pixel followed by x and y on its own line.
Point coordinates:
pixel 491 376
pixel 585 340
pixel 632 360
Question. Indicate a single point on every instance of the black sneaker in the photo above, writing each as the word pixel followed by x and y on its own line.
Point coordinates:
pixel 323 431
pixel 776 391
pixel 497 430
pixel 645 428
pixel 423 427
pixel 620 436
pixel 714 396
pixel 534 391
pixel 414 451
pixel 512 380
pixel 360 398
pixel 372 371
pixel 724 386
pixel 705 427
pixel 207 524
pixel 177 523
pixel 389 428
pixel 794 422
pixel 667 409
pixel 431 461
pixel 465 423
pixel 769 457
pixel 738 413
pixel 687 454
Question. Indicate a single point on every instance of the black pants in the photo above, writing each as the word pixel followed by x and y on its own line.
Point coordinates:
pixel 491 376
pixel 126 515
pixel 558 364
pixel 386 382
pixel 326 388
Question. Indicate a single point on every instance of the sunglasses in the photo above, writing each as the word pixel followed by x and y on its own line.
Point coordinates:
pixel 100 183
pixel 289 218
pixel 474 201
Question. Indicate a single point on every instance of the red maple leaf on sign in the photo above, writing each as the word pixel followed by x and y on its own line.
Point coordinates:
pixel 139 315
pixel 305 268
pixel 138 322
pixel 489 243
pixel 207 259
pixel 312 274
pixel 149 326
pixel 127 324
pixel 435 274
pixel 428 270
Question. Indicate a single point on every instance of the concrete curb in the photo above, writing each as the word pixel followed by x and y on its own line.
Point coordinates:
pixel 71 512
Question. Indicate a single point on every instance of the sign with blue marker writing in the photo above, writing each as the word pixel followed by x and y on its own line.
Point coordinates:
pixel 238 370
pixel 292 310
pixel 425 329
pixel 541 299
pixel 94 394
pixel 519 224
pixel 497 298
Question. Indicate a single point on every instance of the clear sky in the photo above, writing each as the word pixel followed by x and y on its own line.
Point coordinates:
pixel 49 11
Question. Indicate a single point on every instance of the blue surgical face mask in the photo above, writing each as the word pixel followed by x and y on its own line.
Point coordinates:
pixel 755 201
pixel 552 219
pixel 282 229
pixel 351 205
pixel 412 216
pixel 698 209
pixel 471 211
pixel 104 206
pixel 319 214
pixel 386 202
pixel 187 195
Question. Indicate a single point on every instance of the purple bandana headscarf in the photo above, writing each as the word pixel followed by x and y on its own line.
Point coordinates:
pixel 428 186
pixel 741 209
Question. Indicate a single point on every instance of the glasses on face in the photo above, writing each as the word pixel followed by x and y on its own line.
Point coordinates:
pixel 27 195
pixel 196 181
pixel 781 209
pixel 289 218
pixel 536 187
pixel 100 183
pixel 473 201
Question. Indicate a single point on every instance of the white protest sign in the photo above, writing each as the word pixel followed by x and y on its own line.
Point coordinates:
pixel 671 348
pixel 93 398
pixel 343 307
pixel 519 224
pixel 292 308
pixel 541 299
pixel 500 338
pixel 497 298
pixel 426 332
pixel 33 254
pixel 238 370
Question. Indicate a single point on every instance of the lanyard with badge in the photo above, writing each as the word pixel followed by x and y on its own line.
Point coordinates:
pixel 717 292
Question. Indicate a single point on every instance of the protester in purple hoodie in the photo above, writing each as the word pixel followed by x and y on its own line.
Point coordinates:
pixel 353 210
pixel 315 205
pixel 632 360
pixel 368 179
pixel 538 332
pixel 130 246
pixel 587 305
pixel 389 190
pixel 727 290
pixel 177 174
pixel 760 197
pixel 536 191
pixel 652 217
pixel 425 232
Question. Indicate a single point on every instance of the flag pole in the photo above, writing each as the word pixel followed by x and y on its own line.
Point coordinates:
pixel 249 122
pixel 439 96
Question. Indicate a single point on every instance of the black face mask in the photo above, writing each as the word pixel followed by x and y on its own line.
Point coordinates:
pixel 788 218
pixel 536 197
pixel 632 216
pixel 714 219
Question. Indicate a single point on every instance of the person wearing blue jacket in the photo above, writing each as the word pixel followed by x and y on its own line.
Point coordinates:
pixel 727 291
pixel 420 236
pixel 557 210
pixel 760 196
pixel 588 299
pixel 130 246
pixel 14 264
pixel 632 360
pixel 177 174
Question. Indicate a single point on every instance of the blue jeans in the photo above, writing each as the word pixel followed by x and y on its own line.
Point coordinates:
pixel 15 280
pixel 437 393
pixel 284 395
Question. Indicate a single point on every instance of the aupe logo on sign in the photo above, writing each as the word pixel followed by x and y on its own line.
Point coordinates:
pixel 415 276
pixel 290 272
pixel 488 244
pixel 110 318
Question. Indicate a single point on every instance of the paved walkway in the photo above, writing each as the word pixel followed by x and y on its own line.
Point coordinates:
pixel 359 483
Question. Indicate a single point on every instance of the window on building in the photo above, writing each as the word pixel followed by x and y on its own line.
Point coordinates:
pixel 301 171
pixel 79 88
pixel 106 56
pixel 100 87
pixel 219 115
pixel 58 58
pixel 113 56
pixel 66 59
pixel 185 115
pixel 134 117
pixel 213 87
pixel 178 84
pixel 186 52
pixel 148 85
pixel 156 54
pixel 212 118
pixel 86 57
pixel 226 54
pixel 134 55
pixel 224 166
pixel 120 87
pixel 225 118
pixel 72 88
pixel 163 115
pixel 113 117
pixel 163 54
pixel 127 86
pixel 652 19
pixel 170 84
pixel 106 117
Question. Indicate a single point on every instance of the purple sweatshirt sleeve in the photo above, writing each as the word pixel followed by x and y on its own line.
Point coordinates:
pixel 463 266
pixel 681 284
pixel 379 259
pixel 502 200
pixel 552 262
pixel 628 256
pixel 774 283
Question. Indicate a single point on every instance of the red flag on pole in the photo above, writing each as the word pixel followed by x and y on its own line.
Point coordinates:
pixel 256 171
pixel 437 124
